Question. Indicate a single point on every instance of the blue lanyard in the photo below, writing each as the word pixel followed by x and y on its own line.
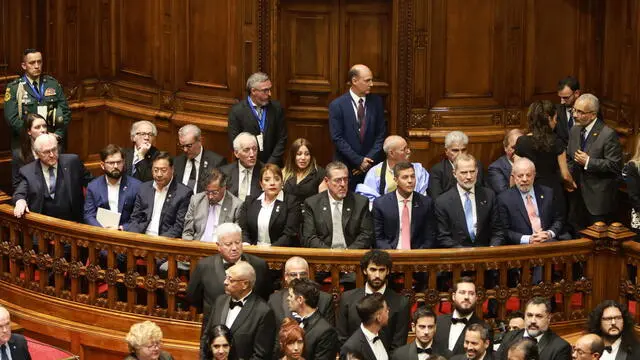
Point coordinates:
pixel 39 95
pixel 261 120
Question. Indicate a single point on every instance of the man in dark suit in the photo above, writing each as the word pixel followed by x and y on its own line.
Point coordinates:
pixel 247 316
pixel 298 268
pixel 114 191
pixel 536 322
pixel 450 328
pixel 594 157
pixel 468 214
pixel 441 174
pixel 424 326
pixel 614 324
pixel 499 171
pixel 337 218
pixel 477 344
pixel 138 159
pixel 568 92
pixel 376 266
pixel 357 125
pixel 195 161
pixel 207 280
pixel 373 315
pixel 404 219
pixel 14 345
pixel 262 117
pixel 589 347
pixel 244 174
pixel 51 185
pixel 320 338
pixel 161 204
pixel 527 210
pixel 523 349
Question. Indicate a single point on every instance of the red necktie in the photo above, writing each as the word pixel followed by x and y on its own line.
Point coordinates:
pixel 533 216
pixel 361 118
pixel 405 234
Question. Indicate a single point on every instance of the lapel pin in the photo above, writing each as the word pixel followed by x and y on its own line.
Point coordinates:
pixel 541 196
pixel 324 209
pixel 206 163
pixel 595 134
pixel 278 208
pixel 348 209
pixel 224 209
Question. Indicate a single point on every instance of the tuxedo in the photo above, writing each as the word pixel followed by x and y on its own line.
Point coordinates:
pixel 410 351
pixel 284 221
pixel 358 343
pixel 498 174
pixel 452 226
pixel 387 218
pixel 98 197
pixel 195 221
pixel 251 331
pixel 233 178
pixel 317 224
pixel 393 335
pixel 441 338
pixel 442 178
pixel 18 347
pixel 278 302
pixel 550 346
pixel 209 160
pixel 143 167
pixel 320 338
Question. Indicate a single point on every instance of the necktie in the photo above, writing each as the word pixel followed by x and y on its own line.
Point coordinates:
pixel 207 235
pixel 233 304
pixel 361 118
pixel 338 241
pixel 376 339
pixel 136 160
pixel 533 215
pixel 259 111
pixel 424 351
pixel 405 233
pixel 571 121
pixel 459 321
pixel 192 175
pixel 3 352
pixel 468 215
pixel 35 86
pixel 583 138
pixel 608 349
pixel 244 186
pixel 52 181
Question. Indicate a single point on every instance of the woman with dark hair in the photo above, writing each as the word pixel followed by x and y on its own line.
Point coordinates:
pixel 302 175
pixel 291 340
pixel 34 125
pixel 220 340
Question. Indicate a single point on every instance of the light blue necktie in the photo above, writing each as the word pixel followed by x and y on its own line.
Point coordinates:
pixel 468 215
pixel 52 181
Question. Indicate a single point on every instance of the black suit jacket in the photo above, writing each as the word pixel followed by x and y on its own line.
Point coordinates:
pixel 143 167
pixel 452 226
pixel 550 346
pixel 242 119
pixel 516 220
pixel 320 339
pixel 17 344
pixel 233 178
pixel 498 174
pixel 71 177
pixel 252 330
pixel 172 214
pixel 358 343
pixel 562 127
pixel 284 223
pixel 393 335
pixel 317 224
pixel 208 161
pixel 441 339
pixel 278 302
pixel 441 178
pixel 410 351
pixel 386 221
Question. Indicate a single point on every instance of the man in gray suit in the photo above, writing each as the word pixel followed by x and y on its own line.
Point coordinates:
pixel 209 208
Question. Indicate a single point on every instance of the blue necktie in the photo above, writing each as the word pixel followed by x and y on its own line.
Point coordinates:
pixel 583 138
pixel 52 181
pixel 3 352
pixel 570 122
pixel 468 215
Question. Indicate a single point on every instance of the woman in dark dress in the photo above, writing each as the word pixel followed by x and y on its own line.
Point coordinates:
pixel 302 176
pixel 34 125
pixel 631 176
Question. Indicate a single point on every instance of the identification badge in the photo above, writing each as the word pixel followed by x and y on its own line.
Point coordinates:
pixel 50 92
pixel 260 142
pixel 42 111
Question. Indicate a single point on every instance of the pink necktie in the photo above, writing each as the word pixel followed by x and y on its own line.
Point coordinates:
pixel 533 215
pixel 405 235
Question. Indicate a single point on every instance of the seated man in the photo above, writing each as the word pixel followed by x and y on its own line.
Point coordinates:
pixel 373 315
pixel 527 210
pixel 114 191
pixel 467 214
pixel 195 161
pixel 477 344
pixel 244 174
pixel 499 171
pixel 162 203
pixel 337 218
pixel 215 205
pixel 138 159
pixel 442 179
pixel 12 346
pixel 615 325
pixel 404 219
pixel 376 185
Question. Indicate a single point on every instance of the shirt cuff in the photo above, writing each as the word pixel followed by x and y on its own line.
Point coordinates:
pixel 525 239
pixel 587 162
pixel 553 235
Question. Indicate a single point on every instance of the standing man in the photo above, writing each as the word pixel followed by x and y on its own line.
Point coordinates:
pixel 424 326
pixel 12 346
pixel 262 117
pixel 373 315
pixel 244 174
pixel 195 161
pixel 35 92
pixel 499 173
pixel 477 344
pixel 568 92
pixel 138 159
pixel 612 322
pixel 357 125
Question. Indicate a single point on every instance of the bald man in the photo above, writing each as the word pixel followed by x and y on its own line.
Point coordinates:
pixel 357 125
pixel 588 347
pixel 12 346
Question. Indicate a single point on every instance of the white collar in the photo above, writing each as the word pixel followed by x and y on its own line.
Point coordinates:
pixel 401 199
pixel 357 98
pixel 197 158
pixel 280 196
pixel 369 290
pixel 457 315
pixel 164 189
pixel 367 334
pixel 590 126
pixel 332 200
pixel 462 191
pixel 106 178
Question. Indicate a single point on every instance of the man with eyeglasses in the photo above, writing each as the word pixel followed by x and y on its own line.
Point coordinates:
pixel 195 161
pixel 138 158
pixel 12 346
pixel 588 347
pixel 244 174
pixel 115 191
pixel 568 92
pixel 614 324
pixel 261 117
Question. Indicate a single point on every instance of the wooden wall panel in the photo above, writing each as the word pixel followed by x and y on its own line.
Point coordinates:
pixel 138 39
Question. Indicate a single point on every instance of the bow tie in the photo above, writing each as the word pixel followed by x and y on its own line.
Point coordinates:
pixel 460 320
pixel 376 339
pixel 233 304
pixel 608 349
pixel 535 340
pixel 227 265
pixel 424 351
pixel 303 321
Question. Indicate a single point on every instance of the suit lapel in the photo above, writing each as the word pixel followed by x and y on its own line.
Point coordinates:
pixel 275 212
pixel 522 208
pixel 170 194
pixel 544 341
pixel 365 345
pixel 481 209
pixel 224 208
pixel 347 108
pixel 253 120
pixel 247 309
pixel 415 209
pixel 326 211
pixel 622 354
pixel 225 310
pixel 540 200
pixel 180 165
pixel 347 210
pixel 235 177
pixel 121 193
pixel 204 167
pixel 593 134
pixel 413 350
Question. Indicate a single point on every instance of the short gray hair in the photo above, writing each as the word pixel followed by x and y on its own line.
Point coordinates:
pixel 522 163
pixel 44 139
pixel 227 229
pixel 136 125
pixel 335 165
pixel 190 129
pixel 296 259
pixel 464 157
pixel 390 142
pixel 238 140
pixel 256 78
pixel 592 100
pixel 455 137
pixel 247 271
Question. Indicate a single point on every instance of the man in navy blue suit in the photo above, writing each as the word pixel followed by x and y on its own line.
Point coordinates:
pixel 499 171
pixel 357 125
pixel 14 345
pixel 404 219
pixel 114 191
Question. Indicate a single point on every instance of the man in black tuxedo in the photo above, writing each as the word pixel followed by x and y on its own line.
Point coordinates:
pixel 376 267
pixel 614 324
pixel 467 214
pixel 499 172
pixel 244 174
pixel 262 117
pixel 194 162
pixel 11 344
pixel 477 344
pixel 51 185
pixel 298 268
pixel 162 203
pixel 337 218
pixel 568 92
pixel 320 338
pixel 373 314
pixel 536 321
pixel 424 326
pixel 589 347
pixel 138 159
pixel 441 174
pixel 207 280
pixel 247 315
pixel 450 328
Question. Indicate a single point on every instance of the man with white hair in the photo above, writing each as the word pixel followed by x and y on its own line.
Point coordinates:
pixel 376 185
pixel 244 174
pixel 51 185
pixel 12 346
pixel 195 161
pixel 138 158
pixel 442 178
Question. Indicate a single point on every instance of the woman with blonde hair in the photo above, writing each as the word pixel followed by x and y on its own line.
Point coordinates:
pixel 631 176
pixel 145 342
pixel 302 175
pixel 291 340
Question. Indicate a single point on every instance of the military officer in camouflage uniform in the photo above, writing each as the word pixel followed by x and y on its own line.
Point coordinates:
pixel 35 92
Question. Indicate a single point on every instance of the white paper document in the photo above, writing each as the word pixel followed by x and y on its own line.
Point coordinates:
pixel 108 218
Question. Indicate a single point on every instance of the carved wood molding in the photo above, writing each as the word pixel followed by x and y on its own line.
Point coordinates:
pixel 406 45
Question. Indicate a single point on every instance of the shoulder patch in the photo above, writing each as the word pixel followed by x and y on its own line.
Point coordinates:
pixel 50 92
pixel 7 95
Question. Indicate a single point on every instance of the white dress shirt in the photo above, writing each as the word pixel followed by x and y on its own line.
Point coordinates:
pixel 356 100
pixel 187 170
pixel 368 290
pixel 233 313
pixel 456 329
pixel 615 347
pixel 378 347
pixel 472 196
pixel 113 193
pixel 264 217
pixel 400 209
pixel 158 203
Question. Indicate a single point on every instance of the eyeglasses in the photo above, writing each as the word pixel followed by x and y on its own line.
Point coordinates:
pixel 565 98
pixel 580 352
pixel 299 274
pixel 213 192
pixel 264 91
pixel 580 112
pixel 143 134
pixel 230 279
pixel 152 345
pixel 49 151
pixel 343 180
pixel 113 163
pixel 612 318
pixel 186 146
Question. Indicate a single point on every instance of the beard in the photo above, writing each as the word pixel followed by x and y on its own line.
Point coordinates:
pixel 462 311
pixel 114 174
pixel 611 338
